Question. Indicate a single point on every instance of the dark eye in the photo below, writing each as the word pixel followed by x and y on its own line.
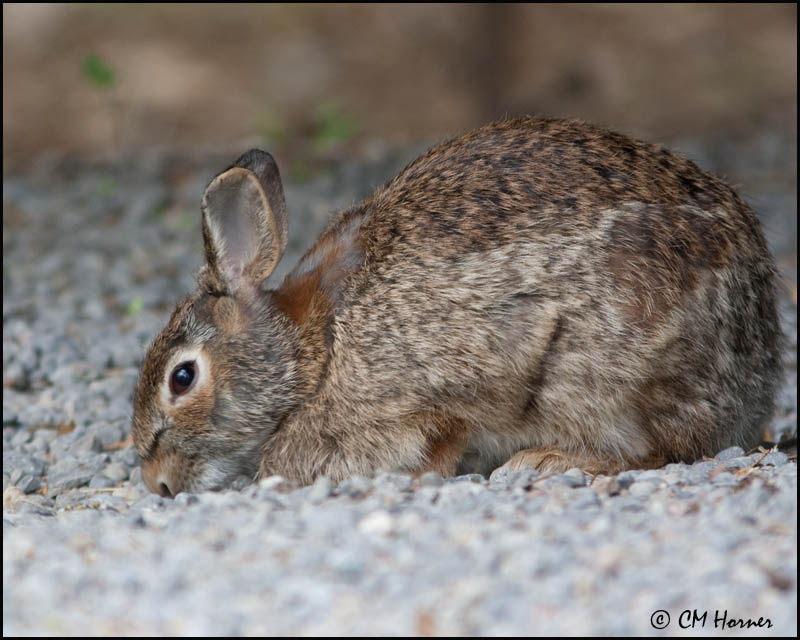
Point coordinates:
pixel 182 378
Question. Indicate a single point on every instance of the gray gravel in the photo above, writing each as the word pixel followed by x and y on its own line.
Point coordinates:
pixel 94 258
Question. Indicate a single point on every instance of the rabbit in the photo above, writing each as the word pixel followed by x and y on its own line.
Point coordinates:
pixel 534 293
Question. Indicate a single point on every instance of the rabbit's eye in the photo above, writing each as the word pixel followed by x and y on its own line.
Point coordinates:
pixel 182 378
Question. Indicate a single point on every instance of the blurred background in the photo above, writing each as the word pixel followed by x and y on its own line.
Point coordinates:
pixel 166 95
pixel 303 79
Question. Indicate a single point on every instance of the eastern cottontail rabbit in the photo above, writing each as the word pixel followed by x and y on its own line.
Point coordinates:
pixel 535 292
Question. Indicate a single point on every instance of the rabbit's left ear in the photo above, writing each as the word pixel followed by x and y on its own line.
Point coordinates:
pixel 244 222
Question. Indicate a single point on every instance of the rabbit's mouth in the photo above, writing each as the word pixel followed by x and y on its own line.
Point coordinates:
pixel 207 476
pixel 214 475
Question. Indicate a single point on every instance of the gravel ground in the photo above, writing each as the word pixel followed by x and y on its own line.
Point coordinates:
pixel 94 258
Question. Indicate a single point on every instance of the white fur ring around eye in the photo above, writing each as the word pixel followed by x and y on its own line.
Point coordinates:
pixel 186 370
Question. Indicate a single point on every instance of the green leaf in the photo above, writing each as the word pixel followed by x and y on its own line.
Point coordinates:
pixel 135 306
pixel 333 126
pixel 272 129
pixel 97 72
pixel 106 187
pixel 300 171
pixel 188 221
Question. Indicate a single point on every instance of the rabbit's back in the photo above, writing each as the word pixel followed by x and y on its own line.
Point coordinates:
pixel 533 176
pixel 547 281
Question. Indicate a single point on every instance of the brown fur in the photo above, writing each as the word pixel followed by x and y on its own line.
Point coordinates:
pixel 531 286
pixel 445 445
pixel 553 460
pixel 661 253
pixel 316 285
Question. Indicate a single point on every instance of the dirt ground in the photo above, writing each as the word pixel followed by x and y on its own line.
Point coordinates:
pixel 105 79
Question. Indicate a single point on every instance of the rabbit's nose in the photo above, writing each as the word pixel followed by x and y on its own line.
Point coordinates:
pixel 163 489
pixel 156 480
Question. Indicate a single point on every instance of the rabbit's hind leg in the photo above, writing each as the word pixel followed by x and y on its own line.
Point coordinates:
pixel 553 460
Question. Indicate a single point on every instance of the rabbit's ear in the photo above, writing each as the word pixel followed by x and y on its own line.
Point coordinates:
pixel 244 222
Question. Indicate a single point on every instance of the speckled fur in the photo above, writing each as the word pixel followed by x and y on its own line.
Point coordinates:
pixel 534 285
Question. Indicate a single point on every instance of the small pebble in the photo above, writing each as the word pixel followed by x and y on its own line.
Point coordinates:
pixel 275 483
pixel 574 478
pixel 729 454
pixel 29 484
pixel 377 522
pixel 100 481
pixel 355 487
pixel 320 490
pixel 116 471
pixel 775 459
pixel 642 489
pixel 431 479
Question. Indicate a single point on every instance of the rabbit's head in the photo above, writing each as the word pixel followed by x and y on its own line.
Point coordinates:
pixel 219 378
